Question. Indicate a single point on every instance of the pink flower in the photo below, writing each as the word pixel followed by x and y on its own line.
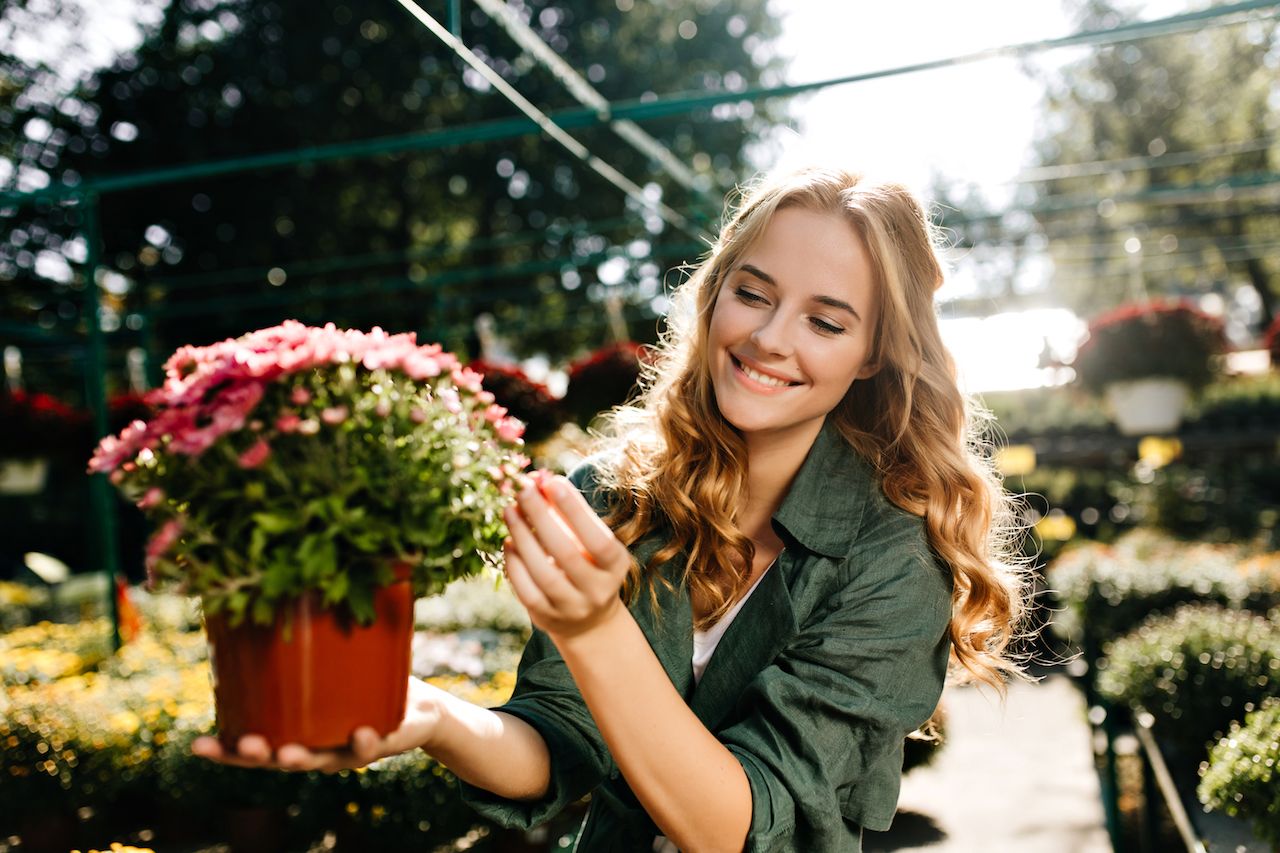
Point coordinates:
pixel 449 397
pixel 467 379
pixel 510 429
pixel 419 366
pixel 383 409
pixel 334 415
pixel 162 541
pixel 287 422
pixel 494 413
pixel 152 498
pixel 300 397
pixel 485 398
pixel 255 455
pixel 418 416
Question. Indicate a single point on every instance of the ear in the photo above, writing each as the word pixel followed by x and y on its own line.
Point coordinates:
pixel 868 370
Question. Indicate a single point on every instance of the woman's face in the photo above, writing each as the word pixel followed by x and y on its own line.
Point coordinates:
pixel 792 325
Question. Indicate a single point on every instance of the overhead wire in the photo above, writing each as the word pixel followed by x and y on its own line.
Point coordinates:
pixel 551 129
pixel 1093 168
pixel 587 95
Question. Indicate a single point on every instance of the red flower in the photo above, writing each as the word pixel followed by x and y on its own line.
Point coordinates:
pixel 604 378
pixel 1166 338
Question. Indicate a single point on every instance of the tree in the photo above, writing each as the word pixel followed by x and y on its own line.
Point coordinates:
pixel 217 79
pixel 1158 170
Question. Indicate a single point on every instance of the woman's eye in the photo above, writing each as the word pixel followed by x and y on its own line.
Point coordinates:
pixel 749 296
pixel 824 326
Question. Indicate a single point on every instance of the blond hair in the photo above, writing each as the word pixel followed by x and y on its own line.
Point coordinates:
pixel 676 463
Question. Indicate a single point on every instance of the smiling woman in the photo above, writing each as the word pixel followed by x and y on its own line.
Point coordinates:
pixel 787 327
pixel 750 596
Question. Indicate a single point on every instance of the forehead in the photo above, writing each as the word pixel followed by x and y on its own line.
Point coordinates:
pixel 810 254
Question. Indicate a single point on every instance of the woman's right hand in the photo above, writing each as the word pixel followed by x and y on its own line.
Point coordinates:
pixel 421 717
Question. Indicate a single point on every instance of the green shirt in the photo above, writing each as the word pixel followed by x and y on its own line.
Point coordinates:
pixel 836 657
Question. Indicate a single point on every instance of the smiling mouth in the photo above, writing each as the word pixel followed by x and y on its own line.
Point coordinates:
pixel 761 378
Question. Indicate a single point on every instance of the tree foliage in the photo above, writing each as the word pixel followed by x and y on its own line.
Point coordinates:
pixel 420 240
pixel 1158 165
pixel 1154 173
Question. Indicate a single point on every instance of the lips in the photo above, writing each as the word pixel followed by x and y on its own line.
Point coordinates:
pixel 762 377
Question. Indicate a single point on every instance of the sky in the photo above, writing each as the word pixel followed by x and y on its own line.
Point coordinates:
pixel 972 123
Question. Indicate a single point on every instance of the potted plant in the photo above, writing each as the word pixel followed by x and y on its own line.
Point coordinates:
pixel 1147 359
pixel 33 429
pixel 307 483
pixel 603 379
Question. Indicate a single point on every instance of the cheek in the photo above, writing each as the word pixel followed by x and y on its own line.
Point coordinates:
pixel 722 324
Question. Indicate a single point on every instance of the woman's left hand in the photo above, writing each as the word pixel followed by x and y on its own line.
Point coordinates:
pixel 564 563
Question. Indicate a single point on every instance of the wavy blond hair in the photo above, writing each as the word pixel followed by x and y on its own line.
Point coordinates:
pixel 673 462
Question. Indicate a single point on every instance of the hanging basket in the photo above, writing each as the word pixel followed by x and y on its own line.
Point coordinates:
pixel 317 681
pixel 23 476
pixel 1148 406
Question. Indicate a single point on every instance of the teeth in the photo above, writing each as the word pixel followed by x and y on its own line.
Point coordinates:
pixel 762 379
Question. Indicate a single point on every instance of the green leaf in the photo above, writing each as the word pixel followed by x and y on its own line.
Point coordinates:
pixel 263 610
pixel 273 522
pixel 318 555
pixel 360 598
pixel 337 589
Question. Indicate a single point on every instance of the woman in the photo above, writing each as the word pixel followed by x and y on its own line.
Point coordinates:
pixel 798 492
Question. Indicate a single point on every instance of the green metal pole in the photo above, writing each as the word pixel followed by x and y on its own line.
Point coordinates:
pixel 102 501
pixel 455 18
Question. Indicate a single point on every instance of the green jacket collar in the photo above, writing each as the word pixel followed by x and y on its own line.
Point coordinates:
pixel 823 508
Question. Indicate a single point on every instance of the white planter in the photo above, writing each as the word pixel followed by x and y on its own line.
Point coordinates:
pixel 1147 406
pixel 22 476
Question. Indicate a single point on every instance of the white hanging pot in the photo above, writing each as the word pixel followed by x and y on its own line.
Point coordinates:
pixel 23 476
pixel 1147 406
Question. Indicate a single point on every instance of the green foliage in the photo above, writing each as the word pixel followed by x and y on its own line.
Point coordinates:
pixel 509 226
pixel 1242 776
pixel 1193 109
pixel 1194 670
pixel 1034 412
pixel 1105 590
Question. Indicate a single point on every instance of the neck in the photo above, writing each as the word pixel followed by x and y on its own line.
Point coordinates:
pixel 772 464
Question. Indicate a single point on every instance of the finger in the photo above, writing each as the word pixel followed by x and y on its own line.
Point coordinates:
pixel 368 746
pixel 208 747
pixel 555 535
pixel 254 748
pixel 212 749
pixel 550 579
pixel 524 586
pixel 295 756
pixel 599 541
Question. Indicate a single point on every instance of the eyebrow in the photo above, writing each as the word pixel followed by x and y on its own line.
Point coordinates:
pixel 829 301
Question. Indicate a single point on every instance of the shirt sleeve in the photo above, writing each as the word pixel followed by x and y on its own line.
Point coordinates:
pixel 823 727
pixel 546 697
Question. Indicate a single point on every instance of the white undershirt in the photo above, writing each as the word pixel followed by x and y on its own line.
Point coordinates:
pixel 704 646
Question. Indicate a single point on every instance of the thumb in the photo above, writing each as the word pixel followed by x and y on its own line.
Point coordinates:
pixel 367 745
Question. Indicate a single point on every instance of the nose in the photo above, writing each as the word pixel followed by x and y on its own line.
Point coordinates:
pixel 771 335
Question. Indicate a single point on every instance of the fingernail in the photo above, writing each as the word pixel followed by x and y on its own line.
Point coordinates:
pixel 555 489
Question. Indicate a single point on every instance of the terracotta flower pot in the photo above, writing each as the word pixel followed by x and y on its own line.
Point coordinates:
pixel 328 678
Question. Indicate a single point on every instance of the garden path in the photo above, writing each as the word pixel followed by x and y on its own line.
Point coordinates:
pixel 1013 778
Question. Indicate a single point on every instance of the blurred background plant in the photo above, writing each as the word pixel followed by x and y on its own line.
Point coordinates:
pixel 1146 340
pixel 1240 777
